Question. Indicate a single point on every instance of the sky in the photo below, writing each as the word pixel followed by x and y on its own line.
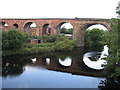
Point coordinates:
pixel 58 8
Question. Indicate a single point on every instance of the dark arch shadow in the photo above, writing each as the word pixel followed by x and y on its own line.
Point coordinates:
pixel 15 25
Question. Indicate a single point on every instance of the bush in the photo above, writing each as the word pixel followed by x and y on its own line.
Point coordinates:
pixel 66 31
pixel 13 39
pixel 114 44
pixel 49 39
pixel 95 39
pixel 62 43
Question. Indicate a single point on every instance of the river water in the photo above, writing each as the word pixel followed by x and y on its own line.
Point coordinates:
pixel 76 69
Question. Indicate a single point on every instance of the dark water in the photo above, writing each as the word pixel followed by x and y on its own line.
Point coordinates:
pixel 53 70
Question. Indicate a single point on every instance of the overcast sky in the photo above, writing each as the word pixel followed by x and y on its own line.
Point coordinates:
pixel 58 8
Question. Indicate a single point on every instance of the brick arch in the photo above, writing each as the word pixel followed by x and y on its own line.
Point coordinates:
pixel 16 25
pixel 28 22
pixel 11 24
pixel 42 24
pixel 79 34
pixel 3 27
pixel 60 24
pixel 85 26
pixel 27 29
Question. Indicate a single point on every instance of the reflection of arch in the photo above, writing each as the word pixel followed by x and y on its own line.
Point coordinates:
pixel 27 27
pixel 15 25
pixel 67 62
pixel 59 26
pixel 46 29
pixel 94 64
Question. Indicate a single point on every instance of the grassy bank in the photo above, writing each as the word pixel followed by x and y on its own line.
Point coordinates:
pixel 27 49
pixel 15 42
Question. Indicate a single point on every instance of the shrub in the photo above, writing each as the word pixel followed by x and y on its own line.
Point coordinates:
pixel 66 31
pixel 49 39
pixel 95 39
pixel 13 39
pixel 62 43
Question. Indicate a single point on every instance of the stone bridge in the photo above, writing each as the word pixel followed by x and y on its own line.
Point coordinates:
pixel 52 26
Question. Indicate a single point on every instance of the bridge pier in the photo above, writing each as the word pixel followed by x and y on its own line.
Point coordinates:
pixel 78 34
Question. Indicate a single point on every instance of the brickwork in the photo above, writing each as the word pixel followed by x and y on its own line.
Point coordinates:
pixel 79 25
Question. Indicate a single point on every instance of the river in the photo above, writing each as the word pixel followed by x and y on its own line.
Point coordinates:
pixel 76 69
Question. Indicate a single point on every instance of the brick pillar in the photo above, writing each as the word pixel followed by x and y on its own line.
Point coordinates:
pixel 54 30
pixel 78 34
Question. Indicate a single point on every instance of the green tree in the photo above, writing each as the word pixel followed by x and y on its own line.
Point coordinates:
pixel 118 9
pixel 114 44
pixel 95 39
pixel 13 39
pixel 66 31
pixel 63 30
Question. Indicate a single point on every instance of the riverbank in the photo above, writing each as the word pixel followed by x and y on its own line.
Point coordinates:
pixel 27 49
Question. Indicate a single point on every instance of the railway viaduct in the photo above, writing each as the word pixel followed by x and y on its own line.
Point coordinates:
pixel 52 26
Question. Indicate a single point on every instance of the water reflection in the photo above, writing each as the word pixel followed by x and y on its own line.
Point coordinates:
pixel 109 83
pixel 93 60
pixel 40 66
pixel 105 52
pixel 96 60
pixel 33 60
pixel 48 61
pixel 13 66
pixel 63 62
pixel 66 62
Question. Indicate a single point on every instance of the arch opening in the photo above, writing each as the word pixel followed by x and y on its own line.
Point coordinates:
pixel 28 28
pixel 15 25
pixel 46 29
pixel 65 28
pixel 3 24
pixel 95 37
pixel 98 26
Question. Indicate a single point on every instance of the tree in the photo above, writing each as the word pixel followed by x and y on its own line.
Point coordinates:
pixel 95 39
pixel 118 9
pixel 13 39
pixel 66 31
pixel 114 44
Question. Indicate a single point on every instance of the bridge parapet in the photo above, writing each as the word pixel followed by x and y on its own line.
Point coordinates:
pixel 92 19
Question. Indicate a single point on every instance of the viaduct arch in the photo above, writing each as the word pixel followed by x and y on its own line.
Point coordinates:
pixel 52 25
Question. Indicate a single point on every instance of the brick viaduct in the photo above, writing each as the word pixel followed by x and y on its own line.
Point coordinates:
pixel 52 25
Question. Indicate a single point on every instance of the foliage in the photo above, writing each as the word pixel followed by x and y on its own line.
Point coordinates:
pixel 114 44
pixel 95 38
pixel 62 43
pixel 118 9
pixel 66 31
pixel 46 38
pixel 13 39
